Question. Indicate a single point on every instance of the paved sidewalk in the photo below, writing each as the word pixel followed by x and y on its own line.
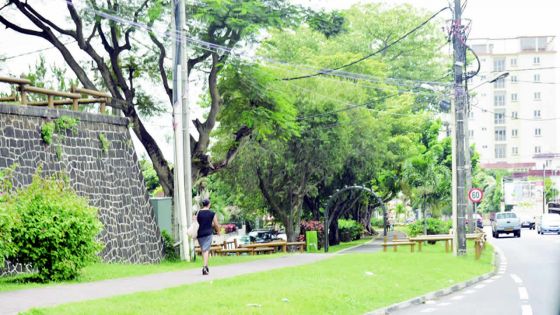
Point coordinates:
pixel 13 302
pixel 375 244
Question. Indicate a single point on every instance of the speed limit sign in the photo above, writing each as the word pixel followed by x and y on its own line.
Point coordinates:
pixel 475 195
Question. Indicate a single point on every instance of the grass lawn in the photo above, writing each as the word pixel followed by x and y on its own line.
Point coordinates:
pixel 341 246
pixel 343 284
pixel 102 271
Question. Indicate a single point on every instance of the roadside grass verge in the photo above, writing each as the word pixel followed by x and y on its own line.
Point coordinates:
pixel 104 271
pixel 343 284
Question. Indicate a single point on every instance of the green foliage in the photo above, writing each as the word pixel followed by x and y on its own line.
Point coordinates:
pixel 59 126
pixel 329 24
pixel 56 229
pixel 7 215
pixel 150 176
pixel 59 152
pixel 169 251
pixel 47 132
pixel 434 226
pixel 349 230
pixel 551 192
pixel 105 144
pixel 377 222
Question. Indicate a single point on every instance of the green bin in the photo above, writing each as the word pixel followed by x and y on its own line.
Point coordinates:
pixel 311 240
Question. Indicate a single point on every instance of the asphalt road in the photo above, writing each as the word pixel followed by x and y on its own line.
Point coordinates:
pixel 528 281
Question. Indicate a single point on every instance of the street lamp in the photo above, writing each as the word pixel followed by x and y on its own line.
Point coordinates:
pixel 499 76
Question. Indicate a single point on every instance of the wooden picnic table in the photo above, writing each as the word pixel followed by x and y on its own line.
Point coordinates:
pixel 275 244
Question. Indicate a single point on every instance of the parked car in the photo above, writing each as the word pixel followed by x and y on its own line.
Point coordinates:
pixel 263 236
pixel 477 219
pixel 506 223
pixel 528 222
pixel 241 239
pixel 548 223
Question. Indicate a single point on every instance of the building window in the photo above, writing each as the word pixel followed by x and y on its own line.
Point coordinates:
pixel 499 64
pixel 537 149
pixel 514 133
pixel 483 128
pixel 499 100
pixel 499 117
pixel 537 96
pixel 514 115
pixel 500 134
pixel 536 60
pixel 536 77
pixel 548 163
pixel 471 115
pixel 500 151
pixel 485 147
pixel 537 114
pixel 514 97
pixel 513 79
pixel 499 84
pixel 513 62
pixel 537 132
pixel 471 133
pixel 514 151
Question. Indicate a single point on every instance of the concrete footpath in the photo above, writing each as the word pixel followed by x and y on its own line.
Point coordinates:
pixel 12 302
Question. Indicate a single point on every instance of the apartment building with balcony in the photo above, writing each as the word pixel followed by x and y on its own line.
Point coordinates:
pixel 514 121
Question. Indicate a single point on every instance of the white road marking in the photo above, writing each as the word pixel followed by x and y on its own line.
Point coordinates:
pixel 428 310
pixel 470 291
pixel 479 286
pixel 430 302
pixel 496 277
pixel 458 297
pixel 516 279
pixel 526 310
pixel 488 281
pixel 523 294
pixel 444 304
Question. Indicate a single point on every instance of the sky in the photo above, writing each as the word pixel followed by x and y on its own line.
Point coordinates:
pixel 488 18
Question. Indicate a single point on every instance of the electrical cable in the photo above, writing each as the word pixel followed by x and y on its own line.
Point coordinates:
pixel 328 71
pixel 34 51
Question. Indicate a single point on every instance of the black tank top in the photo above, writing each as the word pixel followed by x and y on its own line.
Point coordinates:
pixel 204 219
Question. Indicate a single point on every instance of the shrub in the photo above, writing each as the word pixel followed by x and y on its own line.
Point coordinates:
pixel 349 230
pixel 7 217
pixel 169 251
pixel 434 226
pixel 229 228
pixel 312 226
pixel 56 229
pixel 377 222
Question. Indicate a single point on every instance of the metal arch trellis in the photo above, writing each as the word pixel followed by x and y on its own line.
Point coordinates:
pixel 329 202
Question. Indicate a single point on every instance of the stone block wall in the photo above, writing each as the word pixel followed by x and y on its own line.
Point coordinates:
pixel 111 179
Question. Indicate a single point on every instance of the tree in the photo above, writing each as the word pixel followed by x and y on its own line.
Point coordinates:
pixel 551 192
pixel 124 57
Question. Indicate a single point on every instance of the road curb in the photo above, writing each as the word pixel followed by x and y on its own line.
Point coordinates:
pixel 439 293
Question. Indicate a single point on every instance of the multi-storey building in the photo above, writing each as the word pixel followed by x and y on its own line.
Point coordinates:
pixel 514 120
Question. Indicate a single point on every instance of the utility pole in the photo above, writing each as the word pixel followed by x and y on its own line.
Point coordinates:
pixel 186 124
pixel 459 175
pixel 179 95
pixel 543 189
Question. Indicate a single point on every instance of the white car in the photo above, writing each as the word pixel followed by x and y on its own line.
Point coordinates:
pixel 548 223
pixel 506 223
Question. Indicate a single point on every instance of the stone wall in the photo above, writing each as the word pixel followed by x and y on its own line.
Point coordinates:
pixel 109 177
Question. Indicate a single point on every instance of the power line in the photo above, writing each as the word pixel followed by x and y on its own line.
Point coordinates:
pixel 484 110
pixel 329 71
pixel 222 49
pixel 34 51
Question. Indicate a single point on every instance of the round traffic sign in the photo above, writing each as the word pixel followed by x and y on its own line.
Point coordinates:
pixel 475 195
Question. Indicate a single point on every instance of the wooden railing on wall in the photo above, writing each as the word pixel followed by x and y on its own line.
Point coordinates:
pixel 74 97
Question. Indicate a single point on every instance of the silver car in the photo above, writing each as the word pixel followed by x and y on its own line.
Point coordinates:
pixel 548 223
pixel 506 223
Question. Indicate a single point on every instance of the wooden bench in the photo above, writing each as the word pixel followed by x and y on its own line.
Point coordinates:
pixel 232 248
pixel 214 249
pixel 262 250
pixel 396 244
pixel 274 245
pixel 299 245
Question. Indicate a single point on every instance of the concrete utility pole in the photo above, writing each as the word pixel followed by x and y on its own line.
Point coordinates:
pixel 543 189
pixel 180 108
pixel 459 166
